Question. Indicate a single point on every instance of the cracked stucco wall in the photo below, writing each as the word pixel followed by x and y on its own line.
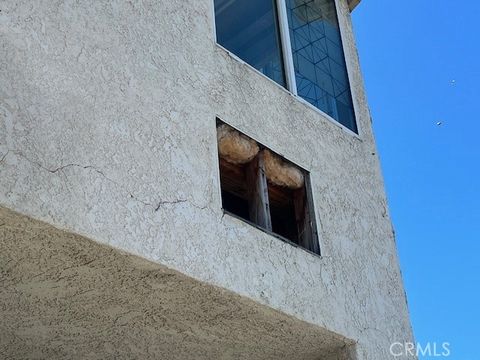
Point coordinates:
pixel 107 129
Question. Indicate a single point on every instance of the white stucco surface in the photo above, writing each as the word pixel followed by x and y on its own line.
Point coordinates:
pixel 107 129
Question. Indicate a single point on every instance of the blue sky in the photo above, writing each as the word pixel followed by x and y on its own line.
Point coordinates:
pixel 421 63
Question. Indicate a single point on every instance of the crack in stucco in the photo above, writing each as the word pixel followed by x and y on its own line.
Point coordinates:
pixel 169 202
pixel 155 205
pixel 4 156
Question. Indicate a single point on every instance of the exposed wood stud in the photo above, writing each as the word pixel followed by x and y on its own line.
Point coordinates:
pixel 314 245
pixel 303 226
pixel 258 199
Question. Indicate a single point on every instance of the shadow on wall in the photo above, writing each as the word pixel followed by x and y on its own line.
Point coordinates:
pixel 65 296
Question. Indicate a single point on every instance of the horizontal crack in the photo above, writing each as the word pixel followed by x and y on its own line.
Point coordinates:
pixel 169 202
pixel 155 206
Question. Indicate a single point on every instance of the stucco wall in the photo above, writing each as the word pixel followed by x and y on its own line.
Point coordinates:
pixel 107 129
pixel 63 296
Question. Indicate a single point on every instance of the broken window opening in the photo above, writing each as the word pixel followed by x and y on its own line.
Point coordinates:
pixel 235 197
pixel 262 188
pixel 282 212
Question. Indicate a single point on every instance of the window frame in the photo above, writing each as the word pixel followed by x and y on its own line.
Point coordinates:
pixel 287 57
pixel 309 204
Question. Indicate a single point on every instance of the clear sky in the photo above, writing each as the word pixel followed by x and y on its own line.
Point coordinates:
pixel 421 63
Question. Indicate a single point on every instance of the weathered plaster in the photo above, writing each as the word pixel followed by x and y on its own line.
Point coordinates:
pixel 107 129
pixel 66 297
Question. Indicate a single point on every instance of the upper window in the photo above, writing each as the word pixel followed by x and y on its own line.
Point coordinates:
pixel 307 59
pixel 249 29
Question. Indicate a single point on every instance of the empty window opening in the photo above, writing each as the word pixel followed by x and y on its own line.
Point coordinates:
pixel 262 188
pixel 234 188
pixel 282 212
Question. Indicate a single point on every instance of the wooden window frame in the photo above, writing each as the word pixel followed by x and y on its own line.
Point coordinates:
pixel 259 208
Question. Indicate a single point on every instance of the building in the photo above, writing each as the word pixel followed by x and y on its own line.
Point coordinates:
pixel 191 180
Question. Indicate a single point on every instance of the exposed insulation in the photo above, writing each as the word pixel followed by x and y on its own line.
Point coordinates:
pixel 281 173
pixel 235 147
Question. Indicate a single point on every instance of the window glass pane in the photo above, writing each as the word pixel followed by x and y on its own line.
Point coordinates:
pixel 318 58
pixel 249 29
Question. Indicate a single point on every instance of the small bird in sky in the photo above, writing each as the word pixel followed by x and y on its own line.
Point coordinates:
pixel 439 123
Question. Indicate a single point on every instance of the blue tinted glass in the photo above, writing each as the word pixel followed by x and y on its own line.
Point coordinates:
pixel 249 29
pixel 318 58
